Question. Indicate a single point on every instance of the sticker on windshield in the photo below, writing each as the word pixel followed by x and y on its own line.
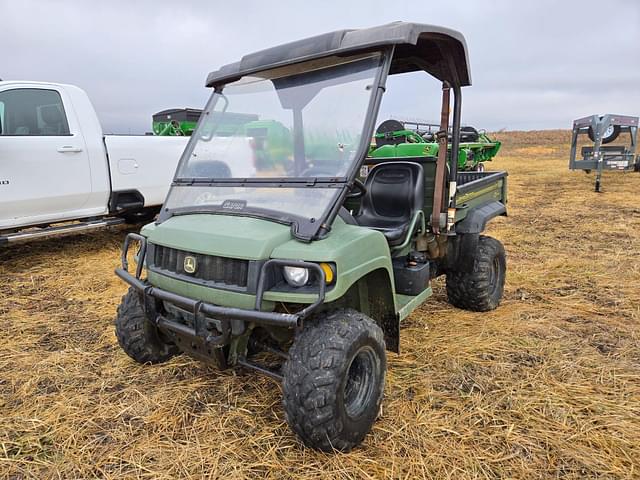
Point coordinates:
pixel 234 204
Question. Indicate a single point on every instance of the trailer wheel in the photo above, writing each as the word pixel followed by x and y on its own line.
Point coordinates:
pixel 610 134
pixel 334 380
pixel 138 337
pixel 481 289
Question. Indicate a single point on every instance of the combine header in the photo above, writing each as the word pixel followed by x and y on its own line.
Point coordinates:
pixel 395 138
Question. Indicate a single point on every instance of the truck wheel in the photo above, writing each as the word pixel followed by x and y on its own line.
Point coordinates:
pixel 334 380
pixel 138 337
pixel 143 216
pixel 481 289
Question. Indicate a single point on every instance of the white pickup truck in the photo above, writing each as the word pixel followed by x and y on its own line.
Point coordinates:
pixel 56 166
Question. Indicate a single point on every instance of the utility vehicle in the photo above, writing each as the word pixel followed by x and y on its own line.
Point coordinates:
pixel 60 174
pixel 304 270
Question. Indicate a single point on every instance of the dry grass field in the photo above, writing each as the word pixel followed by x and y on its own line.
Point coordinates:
pixel 546 386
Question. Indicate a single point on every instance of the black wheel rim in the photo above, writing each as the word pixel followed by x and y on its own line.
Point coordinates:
pixel 360 382
pixel 494 274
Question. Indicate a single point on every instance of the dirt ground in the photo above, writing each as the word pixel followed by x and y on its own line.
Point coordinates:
pixel 546 386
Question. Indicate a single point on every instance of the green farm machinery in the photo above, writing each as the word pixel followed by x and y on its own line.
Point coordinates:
pixel 293 250
pixel 393 138
pixel 176 121
pixel 183 121
pixel 396 138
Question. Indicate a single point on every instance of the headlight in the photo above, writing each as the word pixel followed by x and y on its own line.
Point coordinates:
pixel 296 276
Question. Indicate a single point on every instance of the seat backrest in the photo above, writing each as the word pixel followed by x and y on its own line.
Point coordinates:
pixel 53 120
pixel 395 191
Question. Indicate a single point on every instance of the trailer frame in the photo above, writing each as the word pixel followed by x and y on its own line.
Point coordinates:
pixel 600 157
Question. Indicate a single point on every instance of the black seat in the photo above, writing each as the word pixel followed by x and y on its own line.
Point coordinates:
pixel 395 192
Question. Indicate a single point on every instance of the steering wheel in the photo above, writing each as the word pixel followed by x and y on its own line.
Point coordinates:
pixel 358 189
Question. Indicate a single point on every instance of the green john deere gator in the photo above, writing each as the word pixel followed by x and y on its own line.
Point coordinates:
pixel 303 267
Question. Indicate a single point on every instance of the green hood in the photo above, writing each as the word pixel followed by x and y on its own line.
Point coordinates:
pixel 228 236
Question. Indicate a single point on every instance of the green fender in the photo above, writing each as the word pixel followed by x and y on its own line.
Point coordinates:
pixel 356 252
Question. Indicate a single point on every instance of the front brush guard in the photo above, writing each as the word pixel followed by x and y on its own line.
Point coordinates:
pixel 201 310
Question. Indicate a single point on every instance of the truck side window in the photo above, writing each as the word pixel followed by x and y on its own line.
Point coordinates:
pixel 32 112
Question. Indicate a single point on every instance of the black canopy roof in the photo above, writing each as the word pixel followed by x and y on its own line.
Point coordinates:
pixel 440 51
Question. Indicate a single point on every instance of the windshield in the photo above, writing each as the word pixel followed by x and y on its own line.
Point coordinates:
pixel 300 125
pixel 265 140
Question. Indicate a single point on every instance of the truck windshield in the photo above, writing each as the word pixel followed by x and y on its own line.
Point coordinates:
pixel 265 141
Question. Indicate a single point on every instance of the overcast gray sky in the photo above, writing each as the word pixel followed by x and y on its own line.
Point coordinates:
pixel 534 65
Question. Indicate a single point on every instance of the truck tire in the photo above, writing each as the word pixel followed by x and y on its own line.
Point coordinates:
pixel 143 216
pixel 138 337
pixel 334 380
pixel 481 289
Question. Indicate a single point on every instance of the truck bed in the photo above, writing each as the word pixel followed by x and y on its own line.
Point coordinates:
pixel 145 163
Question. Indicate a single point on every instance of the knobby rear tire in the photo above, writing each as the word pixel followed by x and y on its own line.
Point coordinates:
pixel 481 289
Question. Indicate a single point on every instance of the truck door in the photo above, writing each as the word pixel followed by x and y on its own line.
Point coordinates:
pixel 44 166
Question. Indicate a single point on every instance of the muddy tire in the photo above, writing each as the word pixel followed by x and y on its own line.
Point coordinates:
pixel 137 336
pixel 334 380
pixel 481 289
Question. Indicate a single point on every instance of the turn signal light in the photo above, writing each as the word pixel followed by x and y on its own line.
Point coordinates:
pixel 329 273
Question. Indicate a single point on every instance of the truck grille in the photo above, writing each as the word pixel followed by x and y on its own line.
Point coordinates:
pixel 229 271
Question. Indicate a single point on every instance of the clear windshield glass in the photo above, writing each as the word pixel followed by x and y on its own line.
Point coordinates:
pixel 284 124
pixel 288 125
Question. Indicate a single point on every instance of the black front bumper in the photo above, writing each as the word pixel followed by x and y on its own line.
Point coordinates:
pixel 202 310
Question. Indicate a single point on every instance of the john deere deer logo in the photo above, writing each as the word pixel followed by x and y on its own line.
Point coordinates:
pixel 190 264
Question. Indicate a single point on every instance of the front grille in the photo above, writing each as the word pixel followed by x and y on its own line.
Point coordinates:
pixel 228 271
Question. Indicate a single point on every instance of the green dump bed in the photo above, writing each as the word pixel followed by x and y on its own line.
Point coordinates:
pixel 479 189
